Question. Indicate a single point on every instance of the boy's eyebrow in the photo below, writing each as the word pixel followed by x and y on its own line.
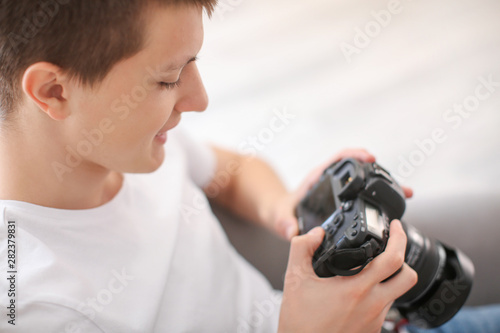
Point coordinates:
pixel 173 67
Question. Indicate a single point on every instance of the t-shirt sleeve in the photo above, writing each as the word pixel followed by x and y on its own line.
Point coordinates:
pixel 200 156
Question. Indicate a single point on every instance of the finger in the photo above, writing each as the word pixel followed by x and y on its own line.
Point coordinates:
pixel 287 227
pixel 387 308
pixel 312 178
pixel 399 284
pixel 407 191
pixel 302 249
pixel 359 154
pixel 292 229
pixel 383 315
pixel 389 261
pixel 381 318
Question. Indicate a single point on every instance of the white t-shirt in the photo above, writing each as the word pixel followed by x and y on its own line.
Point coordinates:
pixel 154 259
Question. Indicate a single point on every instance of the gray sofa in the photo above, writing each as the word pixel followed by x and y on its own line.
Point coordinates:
pixel 469 223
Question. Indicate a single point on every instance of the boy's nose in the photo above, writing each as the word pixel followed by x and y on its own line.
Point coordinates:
pixel 192 93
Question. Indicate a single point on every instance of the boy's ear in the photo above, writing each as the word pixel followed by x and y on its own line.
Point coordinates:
pixel 45 84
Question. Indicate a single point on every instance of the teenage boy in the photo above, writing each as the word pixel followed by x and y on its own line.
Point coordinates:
pixel 105 224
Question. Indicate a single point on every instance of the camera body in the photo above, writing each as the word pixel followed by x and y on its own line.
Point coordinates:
pixel 354 203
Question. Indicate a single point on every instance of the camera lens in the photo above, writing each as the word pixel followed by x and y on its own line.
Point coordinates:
pixel 444 281
pixel 427 258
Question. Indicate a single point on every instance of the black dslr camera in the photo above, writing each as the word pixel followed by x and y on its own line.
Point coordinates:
pixel 354 203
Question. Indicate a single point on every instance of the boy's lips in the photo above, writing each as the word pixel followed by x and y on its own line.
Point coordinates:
pixel 161 137
pixel 162 134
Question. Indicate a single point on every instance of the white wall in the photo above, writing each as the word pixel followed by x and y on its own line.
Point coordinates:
pixel 262 56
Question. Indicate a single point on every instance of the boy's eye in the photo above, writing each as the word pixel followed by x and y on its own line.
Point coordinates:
pixel 170 85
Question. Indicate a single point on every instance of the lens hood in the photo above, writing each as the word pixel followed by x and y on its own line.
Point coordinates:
pixel 447 295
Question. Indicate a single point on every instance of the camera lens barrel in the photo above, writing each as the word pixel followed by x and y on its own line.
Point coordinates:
pixel 428 258
pixel 445 278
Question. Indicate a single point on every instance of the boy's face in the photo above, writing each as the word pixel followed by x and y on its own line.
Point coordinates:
pixel 127 116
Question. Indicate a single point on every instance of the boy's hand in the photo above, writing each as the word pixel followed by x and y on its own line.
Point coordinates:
pixel 352 304
pixel 284 221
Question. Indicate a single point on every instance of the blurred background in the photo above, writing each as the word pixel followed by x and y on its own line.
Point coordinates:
pixel 417 83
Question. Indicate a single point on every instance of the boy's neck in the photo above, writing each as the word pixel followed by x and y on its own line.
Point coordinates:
pixel 27 174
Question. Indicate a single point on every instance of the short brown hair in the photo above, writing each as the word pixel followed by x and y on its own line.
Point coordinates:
pixel 85 38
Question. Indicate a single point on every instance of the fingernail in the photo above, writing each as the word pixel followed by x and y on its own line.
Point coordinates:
pixel 290 232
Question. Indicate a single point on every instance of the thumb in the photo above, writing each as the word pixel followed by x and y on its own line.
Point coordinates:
pixel 303 247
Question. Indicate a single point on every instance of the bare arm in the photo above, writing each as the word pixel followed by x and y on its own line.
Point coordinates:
pixel 250 188
pixel 247 186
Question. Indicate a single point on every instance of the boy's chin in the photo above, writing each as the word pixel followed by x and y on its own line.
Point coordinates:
pixel 146 165
pixel 154 164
